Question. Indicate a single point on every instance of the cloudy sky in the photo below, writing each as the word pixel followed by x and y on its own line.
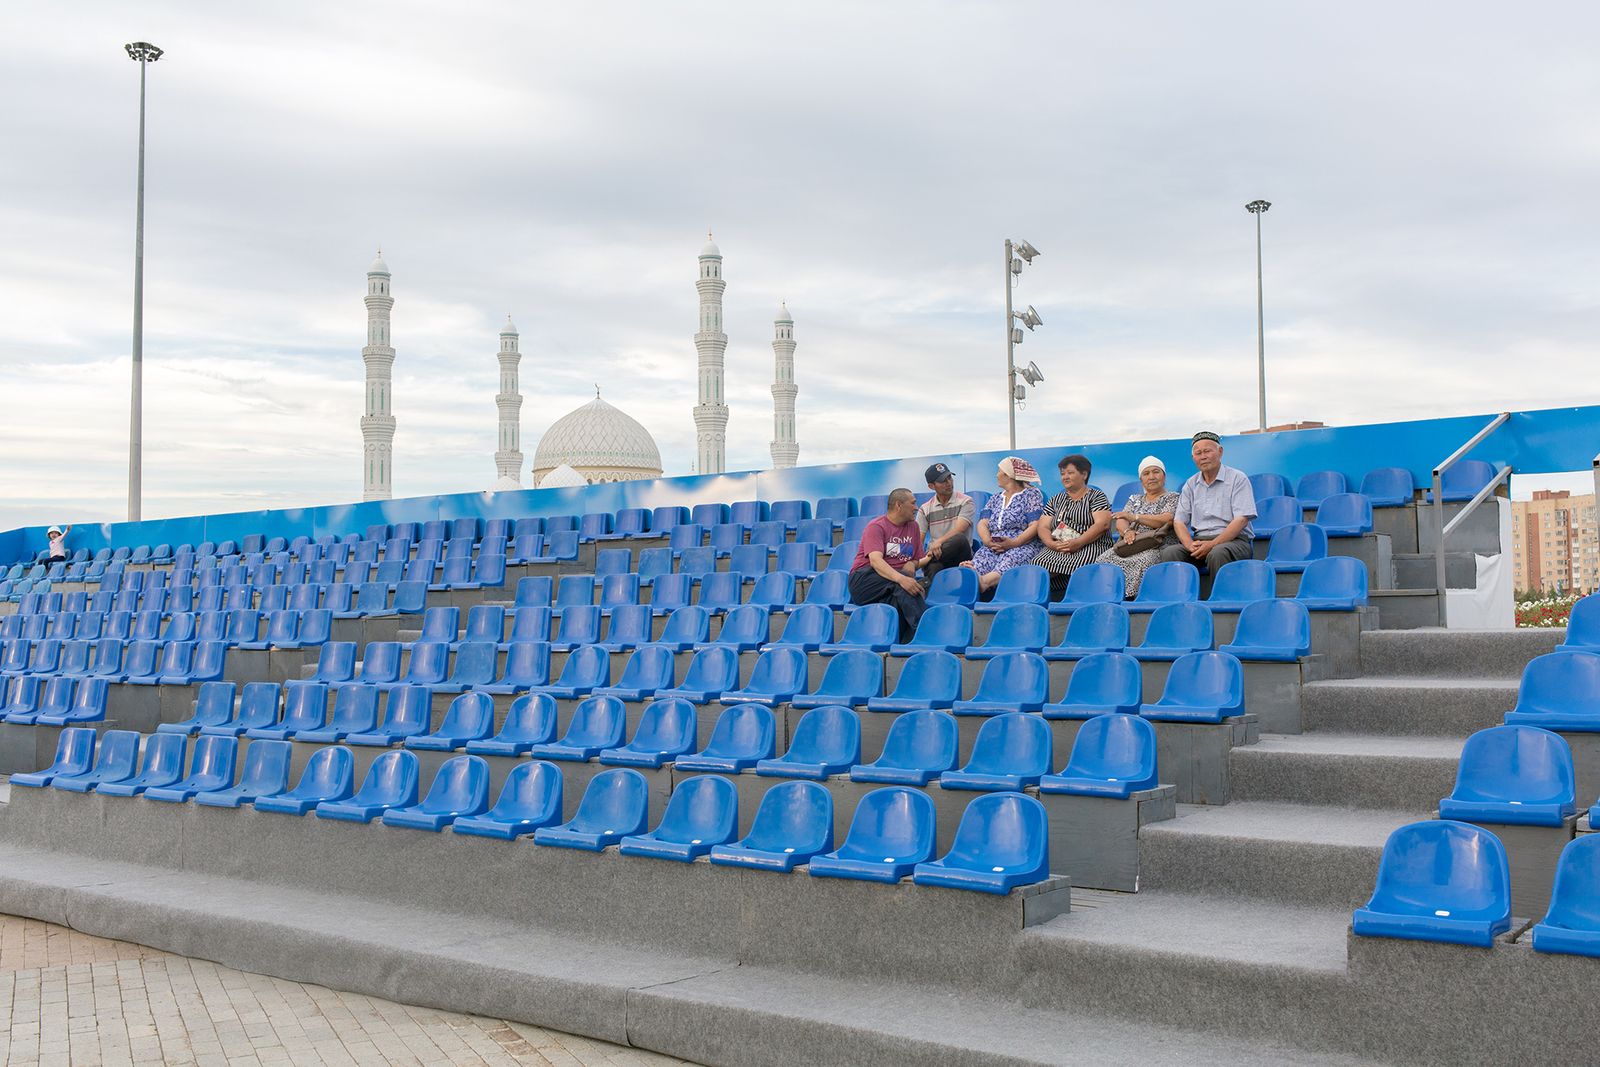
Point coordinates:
pixel 1433 245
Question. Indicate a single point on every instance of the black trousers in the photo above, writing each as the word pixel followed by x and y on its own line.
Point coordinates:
pixel 952 553
pixel 867 586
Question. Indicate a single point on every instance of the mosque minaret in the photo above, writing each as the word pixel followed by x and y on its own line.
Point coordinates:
pixel 711 413
pixel 377 424
pixel 508 456
pixel 785 449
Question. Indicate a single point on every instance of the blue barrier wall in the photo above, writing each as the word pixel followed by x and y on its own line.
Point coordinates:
pixel 1554 439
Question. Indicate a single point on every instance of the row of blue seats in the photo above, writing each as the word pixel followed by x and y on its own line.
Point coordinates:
pixel 1002 842
pixel 1450 881
pixel 53 701
pixel 110 660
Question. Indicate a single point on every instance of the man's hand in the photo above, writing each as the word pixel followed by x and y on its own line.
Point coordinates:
pixel 1199 549
pixel 911 585
pixel 934 550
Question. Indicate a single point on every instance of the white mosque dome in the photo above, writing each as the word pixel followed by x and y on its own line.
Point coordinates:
pixel 783 314
pixel 509 328
pixel 505 485
pixel 710 249
pixel 378 265
pixel 600 444
pixel 563 477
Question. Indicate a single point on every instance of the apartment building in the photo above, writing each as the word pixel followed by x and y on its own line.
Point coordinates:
pixel 1555 542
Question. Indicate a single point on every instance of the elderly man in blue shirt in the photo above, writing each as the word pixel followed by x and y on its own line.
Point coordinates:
pixel 1212 521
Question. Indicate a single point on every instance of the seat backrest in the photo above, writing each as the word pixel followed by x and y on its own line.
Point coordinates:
pixel 593 524
pixel 1583 623
pixel 1297 542
pixel 667 725
pixel 654 562
pixel 1269 484
pixel 695 561
pixel 818 531
pixel 723 589
pixel 1013 743
pixel 945 625
pixel 1185 625
pixel 461 786
pixel 932 675
pixel 1027 584
pixel 630 625
pixel 1106 678
pixel 922 740
pixel 798 558
pixel 844 555
pixel 790 512
pixel 871 624
pixel 428 662
pixel 575 589
pixel 485 622
pixel 853 673
pixel 615 800
pixel 749 512
pixel 1113 746
pixel 587 666
pixel 530 624
pixel 1334 576
pixel 258 704
pixel 619 589
pixel 1444 866
pixel 527 664
pixel 745 624
pixel 266 767
pixel 214 702
pixel 1243 581
pixel 773 590
pixel 392 779
pixel 1097 583
pixel 781 669
pixel 704 808
pixel 750 560
pixel 1098 625
pixel 1273 513
pixel 686 536
pixel 668 517
pixel 75 751
pixel 1019 676
pixel 355 708
pixel 649 667
pixel 1575 898
pixel 164 757
pixel 612 561
pixel 597 721
pixel 305 706
pixel 671 591
pixel 1345 509
pixel 1001 831
pixel 793 816
pixel 770 533
pixel 535 591
pixel 727 537
pixel 1318 484
pixel 531 791
pixel 830 587
pixel 475 663
pixel 1019 626
pixel 690 623
pixel 580 625
pixel 1123 492
pixel 1516 764
pixel 829 734
pixel 873 506
pixel 1463 480
pixel 891 823
pixel 744 731
pixel 214 760
pixel 1282 623
pixel 116 755
pixel 1168 583
pixel 1206 678
pixel 410 709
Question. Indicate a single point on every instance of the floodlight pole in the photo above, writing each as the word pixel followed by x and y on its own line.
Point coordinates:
pixel 1011 363
pixel 142 53
pixel 1257 208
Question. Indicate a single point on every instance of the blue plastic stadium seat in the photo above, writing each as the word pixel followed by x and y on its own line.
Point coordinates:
pixel 74 757
pixel 648 669
pixel 744 628
pixel 1268 484
pixel 818 533
pixel 713 671
pixel 1389 487
pixel 1295 546
pixel 749 512
pixel 1166 583
pixel 808 627
pixel 1345 515
pixel 163 765
pixel 671 592
pixel 22 698
pixel 1513 775
pixel 743 736
pixel 628 629
pixel 844 555
pixel 265 772
pixel 750 561
pixel 485 622
pixel 380 664
pixel 709 514
pixel 212 765
pixel 597 724
pixel 615 805
pixel 330 775
pixel 1012 750
pixel 574 590
pixel 525 548
pixel 1464 480
pixel 618 590
pixel 587 669
pixel 1097 583
pixel 528 624
pixel 474 668
pixel 1002 843
pixel 531 720
pixel 686 536
pixel 409 713
pixel 920 746
pixel 873 506
pixel 1583 626
pixel 593 525
pixel 1012 681
pixel 666 731
pixel 535 591
pixel 653 563
pixel 1092 629
pixel 778 676
pixel 336 662
pixel 1337 583
pixel 391 782
pixel 830 589
pixel 630 522
pixel 1106 682
pixel 1016 628
pixel 1313 487
pixel 1273 513
pixel 836 509
pixel 944 627
pixel 470 717
pixel 721 592
pixel 116 758
pixel 1026 584
pixel 305 707
pixel 891 832
pixel 719 545
pixel 529 799
pixel 1572 925
pixel 687 628
pixel 527 667
pixel 928 680
pixel 790 512
pixel 1275 630
pixel 850 679
pixel 1176 630
pixel 871 626
pixel 1242 582
pixel 701 813
pixel 258 707
pixel 774 592
pixel 793 824
pixel 1112 756
pixel 1201 687
pixel 668 517
pixel 426 664
pixel 1439 881
pixel 827 741
pixel 1123 492
pixel 460 787
pixel 355 710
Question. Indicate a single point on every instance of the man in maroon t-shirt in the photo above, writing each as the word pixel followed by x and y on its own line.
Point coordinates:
pixel 887 559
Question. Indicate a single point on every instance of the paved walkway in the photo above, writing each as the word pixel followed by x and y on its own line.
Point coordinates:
pixel 68 998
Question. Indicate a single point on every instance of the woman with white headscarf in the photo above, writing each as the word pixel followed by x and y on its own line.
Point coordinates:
pixel 1145 514
pixel 1006 526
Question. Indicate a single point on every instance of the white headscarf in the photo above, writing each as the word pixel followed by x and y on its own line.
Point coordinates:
pixel 1151 461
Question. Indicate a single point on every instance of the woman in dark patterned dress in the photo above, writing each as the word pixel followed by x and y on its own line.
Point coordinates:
pixel 1074 528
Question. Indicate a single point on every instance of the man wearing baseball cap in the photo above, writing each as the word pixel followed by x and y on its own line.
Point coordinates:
pixel 946 521
pixel 1214 511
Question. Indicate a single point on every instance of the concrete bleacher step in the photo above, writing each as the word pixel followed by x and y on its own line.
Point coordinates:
pixel 1401 706
pixel 1455 653
pixel 1346 770
pixel 1413 570
pixel 1267 850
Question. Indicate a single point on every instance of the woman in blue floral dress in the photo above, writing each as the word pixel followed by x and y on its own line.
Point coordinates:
pixel 1007 524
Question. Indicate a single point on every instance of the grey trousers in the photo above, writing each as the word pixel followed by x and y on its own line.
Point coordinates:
pixel 1216 559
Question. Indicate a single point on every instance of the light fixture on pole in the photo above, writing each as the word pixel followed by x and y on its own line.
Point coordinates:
pixel 142 53
pixel 1017 254
pixel 1257 208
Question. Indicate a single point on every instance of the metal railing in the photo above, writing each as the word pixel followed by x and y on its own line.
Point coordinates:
pixel 1442 528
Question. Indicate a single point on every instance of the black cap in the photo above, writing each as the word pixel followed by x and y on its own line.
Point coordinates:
pixel 1205 435
pixel 936 473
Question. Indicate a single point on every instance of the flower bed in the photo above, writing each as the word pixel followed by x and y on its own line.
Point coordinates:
pixel 1546 612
